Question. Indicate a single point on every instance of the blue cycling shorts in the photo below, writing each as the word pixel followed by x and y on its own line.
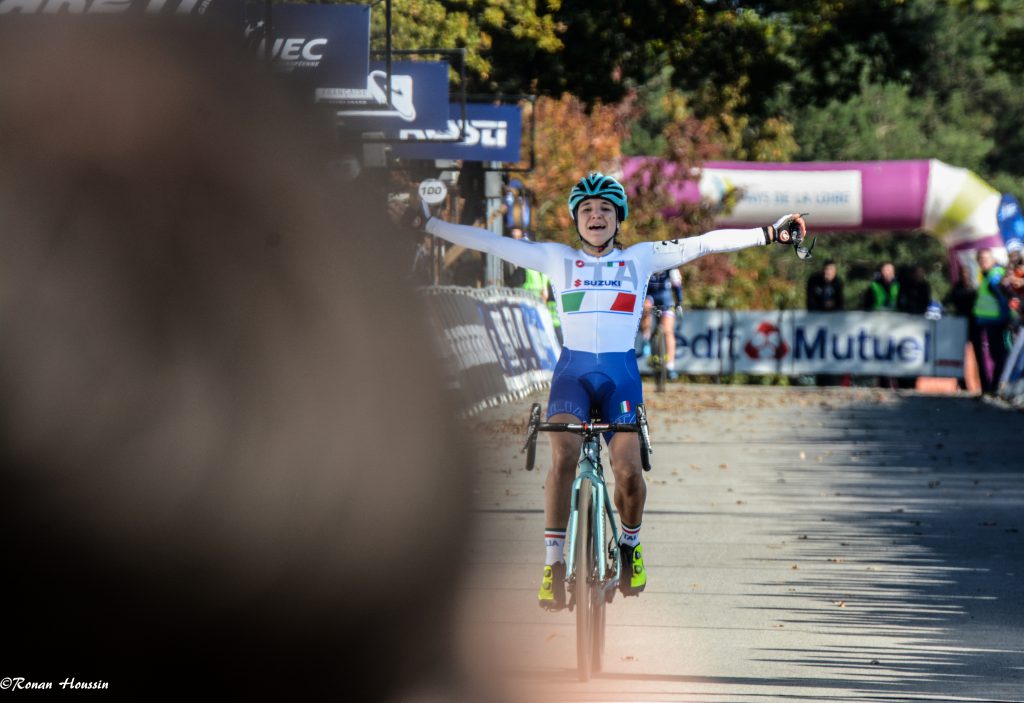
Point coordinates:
pixel 609 383
pixel 664 299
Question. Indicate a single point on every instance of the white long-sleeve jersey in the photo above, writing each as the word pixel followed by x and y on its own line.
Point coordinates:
pixel 600 299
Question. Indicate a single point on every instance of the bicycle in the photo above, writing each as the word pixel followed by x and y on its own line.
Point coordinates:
pixel 658 359
pixel 593 562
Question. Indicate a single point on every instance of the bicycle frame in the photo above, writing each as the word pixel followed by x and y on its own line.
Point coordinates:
pixel 589 467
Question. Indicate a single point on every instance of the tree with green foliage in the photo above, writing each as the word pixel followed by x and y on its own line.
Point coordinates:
pixel 777 80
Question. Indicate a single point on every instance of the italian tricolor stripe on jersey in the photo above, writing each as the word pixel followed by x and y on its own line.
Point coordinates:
pixel 625 407
pixel 598 301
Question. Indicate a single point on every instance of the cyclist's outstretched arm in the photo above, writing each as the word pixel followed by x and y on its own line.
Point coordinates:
pixel 529 255
pixel 675 252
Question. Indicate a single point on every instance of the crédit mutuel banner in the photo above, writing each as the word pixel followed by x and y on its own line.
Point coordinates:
pixel 794 343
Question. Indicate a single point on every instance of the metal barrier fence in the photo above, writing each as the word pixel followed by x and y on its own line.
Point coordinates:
pixel 497 343
pixel 1011 383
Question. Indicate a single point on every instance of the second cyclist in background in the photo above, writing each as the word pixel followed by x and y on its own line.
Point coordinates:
pixel 664 291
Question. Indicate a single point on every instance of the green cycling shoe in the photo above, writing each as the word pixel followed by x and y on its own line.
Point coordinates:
pixel 633 575
pixel 551 595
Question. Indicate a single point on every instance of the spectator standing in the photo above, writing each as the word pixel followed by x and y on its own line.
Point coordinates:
pixel 882 296
pixel 915 293
pixel 884 291
pixel 960 300
pixel 825 294
pixel 962 295
pixel 825 289
pixel 1013 288
pixel 991 321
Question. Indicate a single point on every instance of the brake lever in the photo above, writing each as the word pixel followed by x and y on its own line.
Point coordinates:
pixel 645 437
pixel 804 253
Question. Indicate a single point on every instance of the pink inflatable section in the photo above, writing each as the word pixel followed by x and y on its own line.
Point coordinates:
pixel 952 203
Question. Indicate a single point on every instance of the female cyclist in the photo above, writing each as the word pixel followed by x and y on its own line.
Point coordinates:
pixel 600 291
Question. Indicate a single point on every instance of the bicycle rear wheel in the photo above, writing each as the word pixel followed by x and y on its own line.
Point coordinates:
pixel 584 567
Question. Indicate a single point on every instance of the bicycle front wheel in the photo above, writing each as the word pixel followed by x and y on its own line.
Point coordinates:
pixel 584 567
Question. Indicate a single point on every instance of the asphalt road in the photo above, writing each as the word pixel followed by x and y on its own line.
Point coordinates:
pixel 831 545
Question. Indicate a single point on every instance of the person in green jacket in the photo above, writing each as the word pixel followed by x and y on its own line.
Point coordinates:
pixel 884 291
pixel 991 315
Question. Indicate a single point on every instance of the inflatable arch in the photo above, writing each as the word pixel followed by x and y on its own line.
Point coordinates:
pixel 951 203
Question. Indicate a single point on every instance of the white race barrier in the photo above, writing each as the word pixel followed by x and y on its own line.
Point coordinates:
pixel 1011 383
pixel 796 343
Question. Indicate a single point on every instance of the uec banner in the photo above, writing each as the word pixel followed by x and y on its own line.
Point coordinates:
pixel 317 45
pixel 794 343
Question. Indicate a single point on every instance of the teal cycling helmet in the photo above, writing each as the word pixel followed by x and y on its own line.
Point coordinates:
pixel 598 185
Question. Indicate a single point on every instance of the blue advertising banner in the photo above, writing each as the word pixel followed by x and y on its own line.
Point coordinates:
pixel 492 134
pixel 497 343
pixel 1011 223
pixel 419 97
pixel 318 45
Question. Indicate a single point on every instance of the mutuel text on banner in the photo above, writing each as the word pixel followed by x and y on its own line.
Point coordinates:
pixel 797 342
pixel 419 98
pixel 492 134
pixel 316 45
